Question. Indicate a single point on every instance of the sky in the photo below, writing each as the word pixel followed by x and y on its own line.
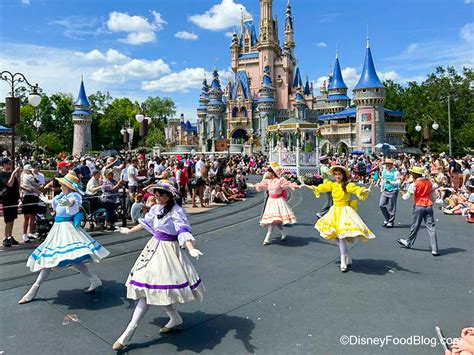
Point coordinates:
pixel 164 48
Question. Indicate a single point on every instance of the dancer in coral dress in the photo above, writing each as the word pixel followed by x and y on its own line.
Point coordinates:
pixel 342 223
pixel 67 244
pixel 163 274
pixel 276 212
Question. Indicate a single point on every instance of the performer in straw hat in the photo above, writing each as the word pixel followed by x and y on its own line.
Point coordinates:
pixel 163 274
pixel 342 223
pixel 276 211
pixel 391 181
pixel 421 189
pixel 324 168
pixel 67 244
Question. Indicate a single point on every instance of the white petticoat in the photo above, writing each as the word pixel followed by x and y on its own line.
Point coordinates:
pixel 277 210
pixel 65 245
pixel 164 275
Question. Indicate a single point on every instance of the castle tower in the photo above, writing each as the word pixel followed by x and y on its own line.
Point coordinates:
pixel 300 105
pixel 81 119
pixel 289 43
pixel 215 111
pixel 337 90
pixel 234 52
pixel 369 98
pixel 202 113
pixel 268 30
pixel 266 104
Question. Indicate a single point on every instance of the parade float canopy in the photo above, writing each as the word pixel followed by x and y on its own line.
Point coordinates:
pixel 293 124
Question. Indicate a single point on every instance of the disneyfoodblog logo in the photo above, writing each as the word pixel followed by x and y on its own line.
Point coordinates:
pixel 390 340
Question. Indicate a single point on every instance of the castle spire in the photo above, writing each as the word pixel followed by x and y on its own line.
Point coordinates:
pixel 289 43
pixel 337 82
pixel 81 119
pixel 368 78
pixel 268 35
pixel 82 97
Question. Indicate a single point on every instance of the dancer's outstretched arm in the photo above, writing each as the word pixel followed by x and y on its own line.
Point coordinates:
pixel 125 230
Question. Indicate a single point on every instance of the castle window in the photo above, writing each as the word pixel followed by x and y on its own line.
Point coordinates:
pixel 364 90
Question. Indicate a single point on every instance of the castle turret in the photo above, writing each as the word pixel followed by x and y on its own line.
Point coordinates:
pixel 81 119
pixel 369 98
pixel 266 104
pixel 215 110
pixel 337 90
pixel 202 112
pixel 234 52
pixel 297 82
pixel 289 43
pixel 268 32
pixel 300 105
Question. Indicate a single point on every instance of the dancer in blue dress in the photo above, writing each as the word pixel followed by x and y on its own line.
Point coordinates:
pixel 67 244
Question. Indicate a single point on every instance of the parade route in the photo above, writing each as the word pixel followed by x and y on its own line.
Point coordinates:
pixel 288 297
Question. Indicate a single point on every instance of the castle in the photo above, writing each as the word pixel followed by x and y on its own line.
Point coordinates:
pixel 267 88
pixel 82 120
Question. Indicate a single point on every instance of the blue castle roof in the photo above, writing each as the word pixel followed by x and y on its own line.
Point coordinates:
pixel 297 82
pixel 248 25
pixel 307 89
pixel 337 82
pixel 369 78
pixel 338 97
pixel 82 97
pixel 241 76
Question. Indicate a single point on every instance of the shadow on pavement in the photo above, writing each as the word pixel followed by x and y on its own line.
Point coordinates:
pixel 205 335
pixel 441 251
pixel 377 267
pixel 107 296
pixel 293 242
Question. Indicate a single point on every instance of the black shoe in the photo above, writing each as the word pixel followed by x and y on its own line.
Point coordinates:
pixel 7 243
pixel 111 228
pixel 403 243
pixel 13 241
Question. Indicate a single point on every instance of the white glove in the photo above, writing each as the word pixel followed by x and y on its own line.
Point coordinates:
pixel 124 230
pixel 195 253
pixel 250 185
pixel 66 202
pixel 406 196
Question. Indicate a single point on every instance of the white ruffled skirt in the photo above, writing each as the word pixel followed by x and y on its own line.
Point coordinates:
pixel 65 245
pixel 164 275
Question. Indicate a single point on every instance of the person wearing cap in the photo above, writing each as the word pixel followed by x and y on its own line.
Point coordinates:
pixel 324 169
pixel 67 244
pixel 342 223
pixel 31 189
pixel 163 275
pixel 391 180
pixel 9 196
pixel 421 189
pixel 63 168
pixel 277 212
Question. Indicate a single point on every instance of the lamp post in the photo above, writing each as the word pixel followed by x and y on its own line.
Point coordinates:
pixel 435 126
pixel 12 103
pixel 449 126
pixel 37 124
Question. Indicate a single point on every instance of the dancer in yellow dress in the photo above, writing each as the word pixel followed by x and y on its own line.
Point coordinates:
pixel 342 223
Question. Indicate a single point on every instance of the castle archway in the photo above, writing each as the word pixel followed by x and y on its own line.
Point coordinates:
pixel 240 136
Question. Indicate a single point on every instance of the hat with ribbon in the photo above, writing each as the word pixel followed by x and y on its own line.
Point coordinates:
pixel 71 181
pixel 418 170
pixel 275 168
pixel 340 168
pixel 166 185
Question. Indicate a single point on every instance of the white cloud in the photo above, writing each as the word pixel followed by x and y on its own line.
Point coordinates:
pixel 468 1
pixel 25 2
pixel 229 34
pixel 321 45
pixel 139 29
pixel 190 36
pixel 388 75
pixel 77 27
pixel 111 56
pixel 133 69
pixel 183 81
pixel 220 16
pixel 467 32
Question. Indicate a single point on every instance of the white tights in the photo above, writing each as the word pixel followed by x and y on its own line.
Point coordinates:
pixel 269 233
pixel 342 246
pixel 42 276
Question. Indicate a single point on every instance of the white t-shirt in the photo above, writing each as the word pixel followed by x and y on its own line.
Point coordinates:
pixel 132 181
pixel 199 166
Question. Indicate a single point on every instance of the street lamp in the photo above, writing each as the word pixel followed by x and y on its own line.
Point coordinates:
pixel 12 103
pixel 418 127
pixel 37 124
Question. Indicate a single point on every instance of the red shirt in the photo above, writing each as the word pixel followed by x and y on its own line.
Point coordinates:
pixel 422 194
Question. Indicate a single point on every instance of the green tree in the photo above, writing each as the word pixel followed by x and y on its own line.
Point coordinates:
pixel 116 115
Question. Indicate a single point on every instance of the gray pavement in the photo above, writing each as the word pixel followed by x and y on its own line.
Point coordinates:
pixel 289 297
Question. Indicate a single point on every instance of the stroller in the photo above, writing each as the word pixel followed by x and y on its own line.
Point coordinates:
pixel 44 221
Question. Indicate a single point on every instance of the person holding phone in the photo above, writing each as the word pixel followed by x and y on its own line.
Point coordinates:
pixel 9 196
